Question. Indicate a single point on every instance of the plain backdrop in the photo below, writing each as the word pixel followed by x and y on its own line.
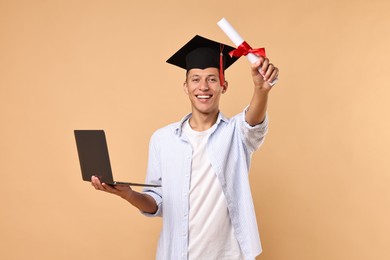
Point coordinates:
pixel 320 182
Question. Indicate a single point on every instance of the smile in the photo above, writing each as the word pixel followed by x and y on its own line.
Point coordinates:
pixel 203 96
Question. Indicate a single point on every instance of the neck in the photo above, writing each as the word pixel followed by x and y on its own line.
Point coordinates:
pixel 202 122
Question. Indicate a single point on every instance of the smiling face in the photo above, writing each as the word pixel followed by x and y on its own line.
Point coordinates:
pixel 204 90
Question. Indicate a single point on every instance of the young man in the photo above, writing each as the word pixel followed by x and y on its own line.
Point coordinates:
pixel 202 163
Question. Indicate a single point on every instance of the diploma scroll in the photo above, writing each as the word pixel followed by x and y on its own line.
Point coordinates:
pixel 238 40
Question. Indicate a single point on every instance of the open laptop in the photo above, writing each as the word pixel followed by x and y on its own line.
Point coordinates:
pixel 94 159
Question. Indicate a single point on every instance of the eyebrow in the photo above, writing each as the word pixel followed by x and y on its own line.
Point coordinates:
pixel 207 76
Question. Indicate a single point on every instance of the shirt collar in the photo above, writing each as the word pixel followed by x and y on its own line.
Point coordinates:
pixel 179 125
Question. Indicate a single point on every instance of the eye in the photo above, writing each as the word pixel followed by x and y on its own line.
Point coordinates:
pixel 212 79
pixel 195 80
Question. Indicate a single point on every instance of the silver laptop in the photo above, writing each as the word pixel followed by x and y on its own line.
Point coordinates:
pixel 94 159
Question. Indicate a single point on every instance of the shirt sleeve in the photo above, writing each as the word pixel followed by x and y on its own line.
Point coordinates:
pixel 253 136
pixel 153 176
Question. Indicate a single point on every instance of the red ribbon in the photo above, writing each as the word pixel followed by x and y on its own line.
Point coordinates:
pixel 221 69
pixel 244 49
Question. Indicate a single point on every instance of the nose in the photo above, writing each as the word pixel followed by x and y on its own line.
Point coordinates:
pixel 204 86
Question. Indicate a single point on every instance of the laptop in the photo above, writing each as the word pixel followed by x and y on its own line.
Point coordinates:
pixel 94 159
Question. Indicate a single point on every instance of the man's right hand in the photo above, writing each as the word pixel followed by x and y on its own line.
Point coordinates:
pixel 141 201
pixel 123 191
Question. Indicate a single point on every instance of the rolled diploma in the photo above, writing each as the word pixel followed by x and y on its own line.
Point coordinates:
pixel 238 40
pixel 235 38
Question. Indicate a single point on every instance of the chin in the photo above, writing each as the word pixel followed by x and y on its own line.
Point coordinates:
pixel 206 111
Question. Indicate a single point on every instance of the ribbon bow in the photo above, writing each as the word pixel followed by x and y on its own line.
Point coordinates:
pixel 244 49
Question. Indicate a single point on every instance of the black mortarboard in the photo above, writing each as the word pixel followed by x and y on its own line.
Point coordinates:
pixel 201 53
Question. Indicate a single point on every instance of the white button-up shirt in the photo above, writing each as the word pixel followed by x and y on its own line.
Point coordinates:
pixel 230 148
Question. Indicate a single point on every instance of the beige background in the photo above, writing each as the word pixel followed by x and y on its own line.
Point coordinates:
pixel 320 182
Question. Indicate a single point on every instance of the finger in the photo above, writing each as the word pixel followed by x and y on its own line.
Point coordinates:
pixel 274 75
pixel 264 66
pixel 101 186
pixel 256 66
pixel 95 182
pixel 268 72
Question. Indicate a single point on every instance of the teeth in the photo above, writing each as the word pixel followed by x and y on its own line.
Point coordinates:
pixel 203 96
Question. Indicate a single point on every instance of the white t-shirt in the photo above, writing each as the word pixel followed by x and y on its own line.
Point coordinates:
pixel 211 233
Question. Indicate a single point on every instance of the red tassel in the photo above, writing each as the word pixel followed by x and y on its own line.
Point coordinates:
pixel 221 75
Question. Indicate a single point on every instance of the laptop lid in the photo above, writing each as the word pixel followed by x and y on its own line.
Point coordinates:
pixel 94 157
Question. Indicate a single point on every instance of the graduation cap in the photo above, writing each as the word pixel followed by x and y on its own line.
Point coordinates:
pixel 201 53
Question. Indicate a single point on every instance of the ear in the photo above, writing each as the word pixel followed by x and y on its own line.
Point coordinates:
pixel 185 87
pixel 224 87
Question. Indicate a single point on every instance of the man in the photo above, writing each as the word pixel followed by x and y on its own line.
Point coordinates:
pixel 202 163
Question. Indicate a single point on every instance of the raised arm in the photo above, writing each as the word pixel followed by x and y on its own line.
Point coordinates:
pixel 258 105
pixel 141 201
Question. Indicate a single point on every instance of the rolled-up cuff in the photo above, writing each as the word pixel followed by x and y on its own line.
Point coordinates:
pixel 263 125
pixel 158 200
